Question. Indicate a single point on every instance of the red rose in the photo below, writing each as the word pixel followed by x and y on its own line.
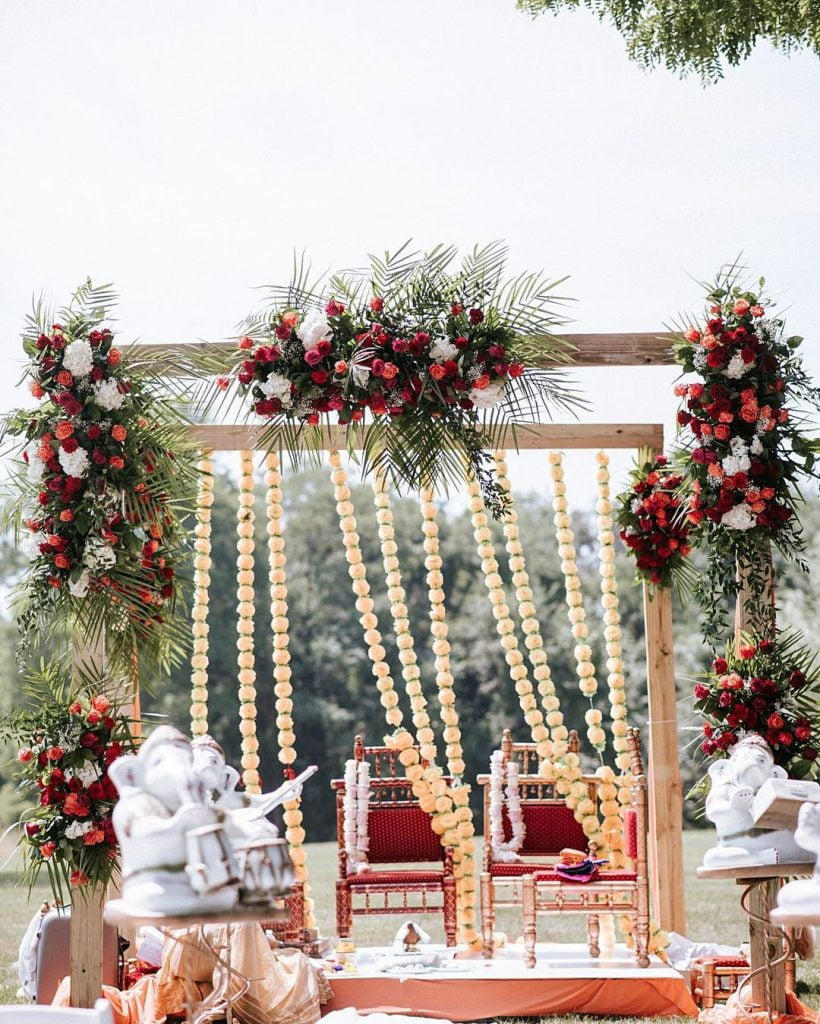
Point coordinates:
pixel 334 308
pixel 320 376
pixel 54 753
pixel 377 304
pixel 720 665
pixel 802 732
pixel 25 754
pixel 701 691
pixel 313 356
pixel 48 849
pixel 70 445
pixel 245 343
pixel 93 717
pixel 461 343
pixel 747 651
pixel 475 316
pixel 78 878
pixel 809 753
pixel 456 309
pixel 100 703
pixel 31 828
pixel 775 721
pixel 796 679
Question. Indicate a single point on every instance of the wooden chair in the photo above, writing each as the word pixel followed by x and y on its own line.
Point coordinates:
pixel 399 833
pixel 532 883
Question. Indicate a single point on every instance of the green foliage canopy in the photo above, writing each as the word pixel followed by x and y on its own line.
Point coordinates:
pixel 700 35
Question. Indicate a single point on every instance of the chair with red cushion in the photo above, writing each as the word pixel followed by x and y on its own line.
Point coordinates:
pixel 531 881
pixel 399 834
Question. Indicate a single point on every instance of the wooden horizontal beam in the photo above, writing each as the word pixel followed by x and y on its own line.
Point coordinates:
pixel 238 437
pixel 630 349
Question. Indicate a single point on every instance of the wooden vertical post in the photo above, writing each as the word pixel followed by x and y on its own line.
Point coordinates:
pixel 86 942
pixel 665 789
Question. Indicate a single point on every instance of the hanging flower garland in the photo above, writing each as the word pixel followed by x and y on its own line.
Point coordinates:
pixel 454 818
pixel 355 804
pixel 585 668
pixel 611 615
pixel 283 687
pixel 504 788
pixel 202 581
pixel 530 625
pixel 245 546
pixel 439 631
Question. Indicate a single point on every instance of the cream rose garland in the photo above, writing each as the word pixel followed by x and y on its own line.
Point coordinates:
pixel 202 581
pixel 584 665
pixel 439 632
pixel 283 686
pixel 452 817
pixel 244 624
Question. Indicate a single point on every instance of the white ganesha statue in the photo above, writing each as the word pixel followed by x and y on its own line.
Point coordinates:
pixel 734 782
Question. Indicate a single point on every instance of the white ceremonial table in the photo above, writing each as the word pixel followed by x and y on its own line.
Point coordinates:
pixel 219 1003
pixel 770 945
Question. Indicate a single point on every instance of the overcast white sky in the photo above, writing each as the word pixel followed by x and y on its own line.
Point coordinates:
pixel 184 149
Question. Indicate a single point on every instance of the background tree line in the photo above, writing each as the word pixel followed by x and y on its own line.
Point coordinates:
pixel 334 692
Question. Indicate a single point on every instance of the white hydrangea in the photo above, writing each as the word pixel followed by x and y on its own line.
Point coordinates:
pixel 79 587
pixel 98 555
pixel 107 395
pixel 740 517
pixel 699 359
pixel 756 447
pixel 74 463
pixel 738 461
pixel 36 466
pixel 441 350
pixel 87 773
pixel 312 329
pixel 77 829
pixel 30 545
pixel 277 386
pixel 636 505
pixel 736 367
pixel 78 358
pixel 487 397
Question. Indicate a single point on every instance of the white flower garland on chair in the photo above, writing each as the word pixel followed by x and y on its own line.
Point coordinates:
pixel 202 581
pixel 504 788
pixel 244 624
pixel 356 802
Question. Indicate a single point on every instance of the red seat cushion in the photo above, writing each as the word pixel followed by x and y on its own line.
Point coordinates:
pixel 401 834
pixel 724 961
pixel 550 827
pixel 394 877
pixel 543 875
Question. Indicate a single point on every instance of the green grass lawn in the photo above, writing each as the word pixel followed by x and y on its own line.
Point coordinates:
pixel 713 909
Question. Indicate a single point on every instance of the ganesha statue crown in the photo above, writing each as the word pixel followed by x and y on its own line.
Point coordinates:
pixel 734 782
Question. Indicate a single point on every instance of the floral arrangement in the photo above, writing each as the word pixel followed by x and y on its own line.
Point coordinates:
pixel 100 485
pixel 504 789
pixel 356 800
pixel 746 448
pixel 435 360
pixel 68 739
pixel 767 687
pixel 653 523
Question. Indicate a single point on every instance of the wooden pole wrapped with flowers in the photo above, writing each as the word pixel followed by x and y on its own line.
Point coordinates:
pixel 102 481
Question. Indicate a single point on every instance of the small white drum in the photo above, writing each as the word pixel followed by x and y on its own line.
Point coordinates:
pixel 211 864
pixel 265 871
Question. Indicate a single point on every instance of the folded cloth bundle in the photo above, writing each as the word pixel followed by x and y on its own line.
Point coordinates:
pixel 581 871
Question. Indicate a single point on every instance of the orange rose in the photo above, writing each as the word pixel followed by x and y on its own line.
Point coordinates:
pixel 725 417
pixel 36 388
pixel 62 562
pixel 118 432
pixel 64 430
pixel 290 319
pixel 722 432
pixel 749 413
pixel 64 379
pixel 482 382
pixel 114 356
pixel 115 462
pixel 156 530
pixel 78 878
pixel 390 370
pixel 93 836
pixel 715 470
pixel 66 516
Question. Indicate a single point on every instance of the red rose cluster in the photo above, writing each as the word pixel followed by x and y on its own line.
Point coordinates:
pixel 91 460
pixel 652 525
pixel 67 763
pixel 736 417
pixel 343 362
pixel 757 688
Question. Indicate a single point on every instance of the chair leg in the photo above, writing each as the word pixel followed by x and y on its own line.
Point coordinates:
pixel 593 935
pixel 528 918
pixel 450 910
pixel 642 942
pixel 708 985
pixel 487 914
pixel 344 910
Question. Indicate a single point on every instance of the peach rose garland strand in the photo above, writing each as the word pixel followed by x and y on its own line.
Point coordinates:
pixel 202 581
pixel 558 765
pixel 244 624
pixel 584 665
pixel 439 631
pixel 283 687
pixel 614 792
pixel 428 784
pixel 450 804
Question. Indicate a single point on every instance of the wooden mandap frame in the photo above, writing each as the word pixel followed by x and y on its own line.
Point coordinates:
pixel 665 795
